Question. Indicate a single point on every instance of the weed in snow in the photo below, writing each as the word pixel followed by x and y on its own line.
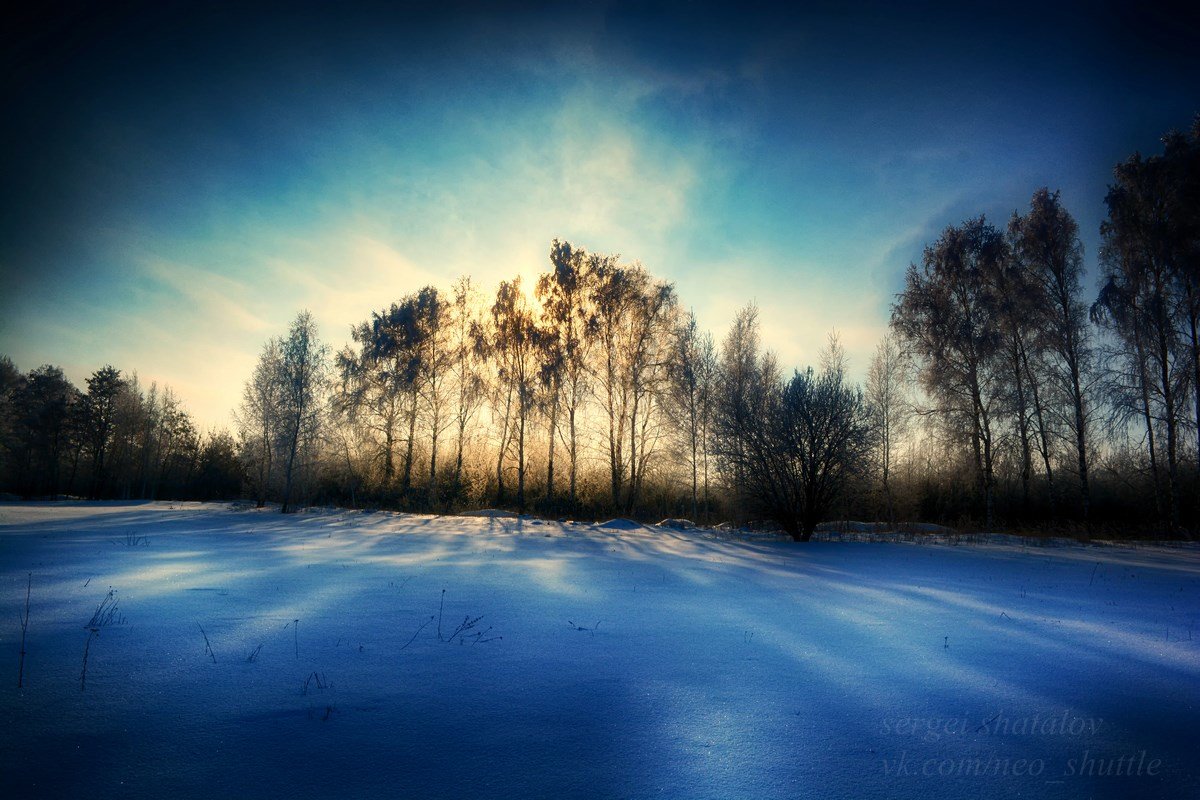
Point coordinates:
pixel 106 613
pixel 295 636
pixel 24 628
pixel 316 680
pixel 591 630
pixel 417 633
pixel 464 630
pixel 208 651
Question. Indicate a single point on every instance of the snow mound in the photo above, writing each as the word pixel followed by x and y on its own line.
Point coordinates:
pixel 903 528
pixel 490 513
pixel 853 526
pixel 620 524
pixel 926 527
pixel 678 524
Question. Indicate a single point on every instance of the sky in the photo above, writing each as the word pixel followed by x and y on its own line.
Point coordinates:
pixel 178 182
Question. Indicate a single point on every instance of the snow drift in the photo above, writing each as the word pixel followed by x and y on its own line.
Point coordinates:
pixel 338 654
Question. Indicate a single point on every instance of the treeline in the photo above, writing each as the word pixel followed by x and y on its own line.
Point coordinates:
pixel 594 393
pixel 115 440
pixel 1059 403
pixel 1006 394
pixel 562 397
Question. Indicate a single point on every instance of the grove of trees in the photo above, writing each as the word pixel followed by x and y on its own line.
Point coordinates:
pixel 117 439
pixel 1007 393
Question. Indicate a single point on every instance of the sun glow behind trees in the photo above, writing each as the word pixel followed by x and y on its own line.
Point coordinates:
pixel 589 387
pixel 252 165
pixel 993 324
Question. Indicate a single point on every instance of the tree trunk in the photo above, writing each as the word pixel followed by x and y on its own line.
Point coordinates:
pixel 1195 353
pixel 406 482
pixel 1022 424
pixel 433 454
pixel 389 447
pixel 287 484
pixel 1192 330
pixel 1148 418
pixel 614 453
pixel 695 466
pixel 74 469
pixel 572 452
pixel 983 449
pixel 504 438
pixel 521 463
pixel 807 526
pixel 550 454
pixel 458 455
pixel 1042 432
pixel 1171 418
pixel 1080 438
pixel 632 454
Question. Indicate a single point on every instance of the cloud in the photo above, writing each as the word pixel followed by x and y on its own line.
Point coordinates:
pixel 204 295
pixel 729 158
pixel 194 312
pixel 581 167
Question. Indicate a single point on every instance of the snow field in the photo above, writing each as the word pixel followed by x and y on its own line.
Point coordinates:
pixel 605 662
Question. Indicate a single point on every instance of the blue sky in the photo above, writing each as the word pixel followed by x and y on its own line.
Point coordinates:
pixel 179 182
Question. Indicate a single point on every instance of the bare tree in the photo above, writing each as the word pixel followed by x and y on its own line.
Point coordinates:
pixel 466 355
pixel 686 370
pixel 740 394
pixel 379 382
pixel 302 376
pixel 888 399
pixel 1144 304
pixel 516 350
pixel 100 404
pixel 788 449
pixel 569 327
pixel 435 357
pixel 610 297
pixel 946 318
pixel 825 438
pixel 832 357
pixel 258 418
pixel 633 314
pixel 648 357
pixel 707 374
pixel 1017 313
pixel 1045 240
pixel 1180 245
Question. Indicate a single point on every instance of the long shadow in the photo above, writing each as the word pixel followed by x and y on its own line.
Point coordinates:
pixel 718 669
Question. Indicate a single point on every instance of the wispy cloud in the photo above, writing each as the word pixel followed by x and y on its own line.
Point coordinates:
pixel 193 312
pixel 171 220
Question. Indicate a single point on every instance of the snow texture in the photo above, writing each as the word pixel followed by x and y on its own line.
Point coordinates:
pixel 359 654
pixel 490 513
pixel 620 524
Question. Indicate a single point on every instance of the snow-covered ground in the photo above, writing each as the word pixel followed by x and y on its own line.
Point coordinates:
pixel 605 662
